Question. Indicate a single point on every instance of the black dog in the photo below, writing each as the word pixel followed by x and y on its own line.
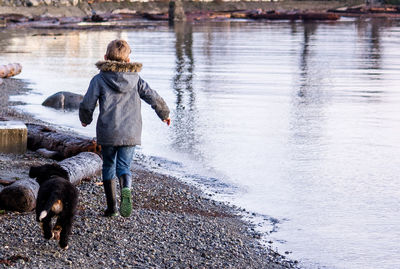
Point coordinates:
pixel 56 197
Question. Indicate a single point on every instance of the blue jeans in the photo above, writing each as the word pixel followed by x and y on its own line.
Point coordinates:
pixel 116 159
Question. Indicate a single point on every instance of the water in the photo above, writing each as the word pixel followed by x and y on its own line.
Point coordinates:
pixel 295 122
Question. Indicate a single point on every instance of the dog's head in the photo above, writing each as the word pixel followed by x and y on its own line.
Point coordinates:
pixel 45 172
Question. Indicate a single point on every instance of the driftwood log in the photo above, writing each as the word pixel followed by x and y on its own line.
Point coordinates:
pixel 74 169
pixel 10 70
pixel 20 196
pixel 40 136
pixel 82 166
pixel 306 16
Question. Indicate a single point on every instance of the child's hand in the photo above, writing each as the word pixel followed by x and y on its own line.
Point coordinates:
pixel 83 124
pixel 167 121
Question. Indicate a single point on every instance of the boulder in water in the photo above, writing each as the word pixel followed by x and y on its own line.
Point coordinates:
pixel 64 100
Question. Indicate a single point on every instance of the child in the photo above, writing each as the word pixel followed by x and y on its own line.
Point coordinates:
pixel 118 87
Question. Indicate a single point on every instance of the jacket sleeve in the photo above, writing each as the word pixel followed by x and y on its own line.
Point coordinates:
pixel 88 104
pixel 152 98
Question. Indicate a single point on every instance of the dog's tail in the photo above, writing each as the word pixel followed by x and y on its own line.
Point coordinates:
pixel 48 206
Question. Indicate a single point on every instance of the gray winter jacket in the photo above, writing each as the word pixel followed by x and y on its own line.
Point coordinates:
pixel 119 88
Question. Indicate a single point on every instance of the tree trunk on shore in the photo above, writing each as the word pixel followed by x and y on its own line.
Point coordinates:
pixel 74 169
pixel 82 166
pixel 40 136
pixel 20 196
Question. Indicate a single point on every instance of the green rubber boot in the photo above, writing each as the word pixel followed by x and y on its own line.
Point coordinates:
pixel 126 196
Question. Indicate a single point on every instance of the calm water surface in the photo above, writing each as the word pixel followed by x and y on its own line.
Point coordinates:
pixel 296 122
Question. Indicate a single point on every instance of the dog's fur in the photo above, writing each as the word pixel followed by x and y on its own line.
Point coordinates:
pixel 56 197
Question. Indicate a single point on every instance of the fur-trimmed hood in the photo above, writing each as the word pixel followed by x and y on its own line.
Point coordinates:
pixel 119 76
pixel 114 66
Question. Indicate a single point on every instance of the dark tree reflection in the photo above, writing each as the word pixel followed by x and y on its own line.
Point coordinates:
pixel 308 102
pixel 185 138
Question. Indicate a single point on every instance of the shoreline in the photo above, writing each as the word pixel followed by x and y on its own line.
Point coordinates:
pixel 173 224
pixel 129 14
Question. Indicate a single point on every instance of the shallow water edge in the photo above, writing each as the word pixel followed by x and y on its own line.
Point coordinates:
pixel 166 210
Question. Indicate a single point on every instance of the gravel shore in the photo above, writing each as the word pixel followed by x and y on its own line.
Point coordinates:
pixel 173 225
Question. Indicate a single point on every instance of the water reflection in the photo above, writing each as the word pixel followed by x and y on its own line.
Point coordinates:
pixel 306 83
pixel 370 57
pixel 308 102
pixel 185 136
pixel 370 37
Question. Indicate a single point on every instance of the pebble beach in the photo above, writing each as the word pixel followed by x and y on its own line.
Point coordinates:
pixel 173 225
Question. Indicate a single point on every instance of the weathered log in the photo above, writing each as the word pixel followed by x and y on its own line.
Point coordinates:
pixel 3 71
pixel 156 17
pixel 82 166
pixel 10 70
pixel 75 169
pixel 240 14
pixel 314 16
pixel 40 136
pixel 64 100
pixel 19 196
pixel 16 18
pixel 18 68
pixel 307 16
pixel 273 15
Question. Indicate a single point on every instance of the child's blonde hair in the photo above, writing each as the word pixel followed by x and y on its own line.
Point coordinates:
pixel 118 50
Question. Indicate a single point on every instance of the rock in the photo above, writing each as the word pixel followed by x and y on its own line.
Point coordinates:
pixel 64 100
pixel 33 3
